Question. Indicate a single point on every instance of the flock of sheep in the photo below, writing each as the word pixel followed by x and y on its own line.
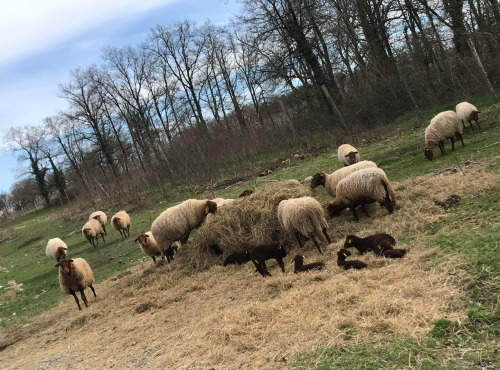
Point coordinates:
pixel 358 183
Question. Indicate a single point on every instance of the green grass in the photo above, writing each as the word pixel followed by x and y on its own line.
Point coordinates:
pixel 471 230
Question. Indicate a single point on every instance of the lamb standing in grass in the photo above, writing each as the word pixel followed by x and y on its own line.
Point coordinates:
pixel 76 275
pixel 91 231
pixel 121 222
pixel 101 217
pixel 56 249
pixel 330 181
pixel 303 216
pixel 177 222
pixel 276 250
pixel 361 188
pixel 149 246
pixel 443 126
pixel 466 112
pixel 347 154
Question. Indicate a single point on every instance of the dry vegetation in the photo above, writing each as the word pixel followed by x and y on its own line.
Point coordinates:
pixel 185 315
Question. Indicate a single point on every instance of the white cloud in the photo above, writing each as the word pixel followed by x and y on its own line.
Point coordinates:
pixel 28 27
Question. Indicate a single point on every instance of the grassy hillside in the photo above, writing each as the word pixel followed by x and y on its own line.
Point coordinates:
pixel 457 247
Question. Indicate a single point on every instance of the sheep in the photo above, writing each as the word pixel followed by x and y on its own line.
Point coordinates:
pixel 177 222
pixel 121 222
pixel 56 249
pixel 360 188
pixel 76 275
pixel 330 181
pixel 347 154
pixel 101 217
pixel 300 267
pixel 442 126
pixel 385 248
pixel 221 202
pixel 369 243
pixel 149 246
pixel 172 250
pixel 91 231
pixel 277 250
pixel 466 112
pixel 239 258
pixel 303 216
pixel 341 256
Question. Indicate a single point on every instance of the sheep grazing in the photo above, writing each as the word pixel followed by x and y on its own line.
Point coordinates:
pixel 101 217
pixel 330 181
pixel 263 252
pixel 177 222
pixel 363 187
pixel 121 222
pixel 56 249
pixel 300 267
pixel 76 275
pixel 466 112
pixel 355 264
pixel 443 126
pixel 149 246
pixel 91 231
pixel 246 193
pixel 304 216
pixel 369 243
pixel 347 154
pixel 237 258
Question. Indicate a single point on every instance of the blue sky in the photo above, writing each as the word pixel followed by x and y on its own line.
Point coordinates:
pixel 42 41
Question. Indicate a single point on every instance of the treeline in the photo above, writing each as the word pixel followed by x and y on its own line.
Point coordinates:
pixel 192 102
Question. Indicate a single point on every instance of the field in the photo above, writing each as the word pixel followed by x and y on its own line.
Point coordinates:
pixel 436 308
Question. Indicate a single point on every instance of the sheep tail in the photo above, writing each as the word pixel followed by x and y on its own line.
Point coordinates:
pixel 389 192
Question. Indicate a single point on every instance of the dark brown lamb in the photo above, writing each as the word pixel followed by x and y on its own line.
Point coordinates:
pixel 342 255
pixel 369 243
pixel 277 250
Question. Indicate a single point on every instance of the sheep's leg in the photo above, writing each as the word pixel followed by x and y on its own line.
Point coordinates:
pixel 83 297
pixel 92 241
pixel 154 259
pixel 93 290
pixel 353 210
pixel 316 244
pixel 102 235
pixel 441 147
pixel 365 210
pixel 452 143
pixel 128 231
pixel 76 299
pixel 297 236
pixel 461 138
pixel 104 228
pixel 258 267
pixel 282 265
pixel 477 123
pixel 121 234
pixel 326 235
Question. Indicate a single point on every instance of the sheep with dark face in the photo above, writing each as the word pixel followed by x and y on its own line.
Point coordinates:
pixel 121 222
pixel 369 243
pixel 74 276
pixel 347 154
pixel 56 249
pixel 360 188
pixel 91 231
pixel 386 249
pixel 341 261
pixel 466 112
pixel 277 250
pixel 303 216
pixel 298 260
pixel 149 246
pixel 246 193
pixel 443 126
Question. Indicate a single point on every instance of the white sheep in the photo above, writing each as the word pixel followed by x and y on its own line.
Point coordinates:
pixel 149 246
pixel 330 181
pixel 303 216
pixel 121 222
pixel 221 202
pixel 177 222
pixel 101 217
pixel 444 125
pixel 466 112
pixel 360 188
pixel 56 249
pixel 91 231
pixel 347 154
pixel 76 275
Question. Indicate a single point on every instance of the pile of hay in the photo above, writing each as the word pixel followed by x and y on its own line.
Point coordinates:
pixel 246 222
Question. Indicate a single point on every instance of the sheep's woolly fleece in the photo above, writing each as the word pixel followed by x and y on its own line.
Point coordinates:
pixel 230 317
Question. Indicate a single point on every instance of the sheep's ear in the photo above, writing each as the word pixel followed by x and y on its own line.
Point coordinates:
pixel 349 241
pixel 345 255
pixel 304 257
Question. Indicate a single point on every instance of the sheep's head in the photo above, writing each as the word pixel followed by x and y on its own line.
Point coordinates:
pixel 335 208
pixel 210 207
pixel 65 266
pixel 286 245
pixel 62 252
pixel 343 253
pixel 116 221
pixel 428 154
pixel 349 241
pixel 280 199
pixel 246 193
pixel 299 259
pixel 141 238
pixel 474 115
pixel 318 179
pixel 351 156
pixel 86 230
pixel 98 218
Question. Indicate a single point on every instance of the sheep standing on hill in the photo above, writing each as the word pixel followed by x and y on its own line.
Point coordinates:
pixel 330 181
pixel 177 222
pixel 276 250
pixel 76 275
pixel 101 217
pixel 121 222
pixel 91 231
pixel 360 188
pixel 442 126
pixel 149 246
pixel 466 112
pixel 347 154
pixel 56 249
pixel 303 216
